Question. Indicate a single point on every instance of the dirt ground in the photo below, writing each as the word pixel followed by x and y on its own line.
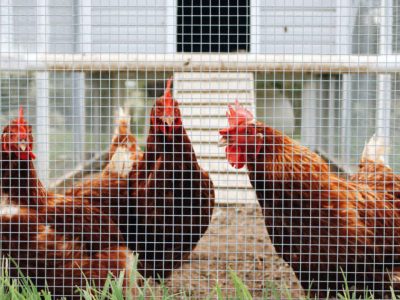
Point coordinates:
pixel 236 240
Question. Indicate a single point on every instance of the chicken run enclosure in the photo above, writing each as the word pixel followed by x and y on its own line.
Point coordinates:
pixel 181 144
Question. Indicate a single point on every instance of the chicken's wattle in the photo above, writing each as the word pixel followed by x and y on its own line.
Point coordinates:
pixel 236 156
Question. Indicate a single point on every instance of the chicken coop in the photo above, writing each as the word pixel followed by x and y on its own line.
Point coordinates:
pixel 211 149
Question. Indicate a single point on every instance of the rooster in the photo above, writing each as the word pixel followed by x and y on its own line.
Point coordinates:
pixel 55 240
pixel 320 224
pixel 171 196
pixel 374 171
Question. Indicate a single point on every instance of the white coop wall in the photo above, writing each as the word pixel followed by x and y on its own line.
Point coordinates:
pixel 297 26
pixel 130 26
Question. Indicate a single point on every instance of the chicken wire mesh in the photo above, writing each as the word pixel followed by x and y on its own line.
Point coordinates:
pixel 115 172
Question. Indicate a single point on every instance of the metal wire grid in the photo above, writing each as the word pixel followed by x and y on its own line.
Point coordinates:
pixel 323 72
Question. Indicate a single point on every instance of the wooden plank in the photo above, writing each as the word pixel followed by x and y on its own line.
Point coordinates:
pixel 6 25
pixel 42 125
pixel 233 196
pixel 300 4
pixel 84 38
pixel 78 108
pixel 212 86
pixel 216 98
pixel 231 181
pixel 203 110
pixel 210 76
pixel 309 110
pixel 205 122
pixel 209 149
pixel 220 165
pixel 298 18
pixel 204 137
pixel 307 62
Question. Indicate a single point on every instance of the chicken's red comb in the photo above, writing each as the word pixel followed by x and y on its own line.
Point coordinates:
pixel 21 119
pixel 238 115
pixel 168 100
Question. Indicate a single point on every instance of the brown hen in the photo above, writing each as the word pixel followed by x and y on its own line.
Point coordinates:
pixel 319 224
pixel 172 197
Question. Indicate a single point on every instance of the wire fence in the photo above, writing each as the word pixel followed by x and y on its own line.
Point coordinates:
pixel 120 173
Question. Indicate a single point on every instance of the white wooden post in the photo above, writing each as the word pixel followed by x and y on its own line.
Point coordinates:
pixel 309 111
pixel 254 26
pixel 83 41
pixel 42 26
pixel 171 25
pixel 345 119
pixel 84 36
pixel 345 21
pixel 78 109
pixel 332 150
pixel 42 125
pixel 384 93
pixel 42 96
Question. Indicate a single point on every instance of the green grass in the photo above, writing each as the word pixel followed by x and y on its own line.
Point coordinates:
pixel 22 288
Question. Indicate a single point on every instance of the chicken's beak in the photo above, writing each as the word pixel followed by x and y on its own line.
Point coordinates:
pixel 168 120
pixel 223 142
pixel 22 146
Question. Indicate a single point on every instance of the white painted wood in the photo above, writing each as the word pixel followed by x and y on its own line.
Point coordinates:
pixel 309 109
pixel 212 85
pixel 78 103
pixel 25 25
pixel 121 27
pixel 218 164
pixel 332 118
pixel 384 93
pixel 62 22
pixel 210 149
pixel 203 110
pixel 231 181
pixel 345 20
pixel 209 122
pixel 171 30
pixel 299 4
pixel 297 26
pixel 383 110
pixel 346 119
pixel 242 196
pixel 42 126
pixel 42 26
pixel 84 42
pixel 214 91
pixel 386 25
pixel 6 21
pixel 203 135
pixel 254 24
pixel 204 62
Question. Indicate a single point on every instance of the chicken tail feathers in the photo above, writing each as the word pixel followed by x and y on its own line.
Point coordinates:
pixel 375 150
pixel 123 121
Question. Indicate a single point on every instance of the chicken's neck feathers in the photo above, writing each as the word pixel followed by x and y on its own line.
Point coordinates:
pixel 175 148
pixel 19 178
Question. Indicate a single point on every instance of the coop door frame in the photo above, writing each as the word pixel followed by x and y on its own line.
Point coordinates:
pixel 171 25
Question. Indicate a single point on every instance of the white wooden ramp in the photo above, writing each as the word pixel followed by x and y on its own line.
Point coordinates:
pixel 204 98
